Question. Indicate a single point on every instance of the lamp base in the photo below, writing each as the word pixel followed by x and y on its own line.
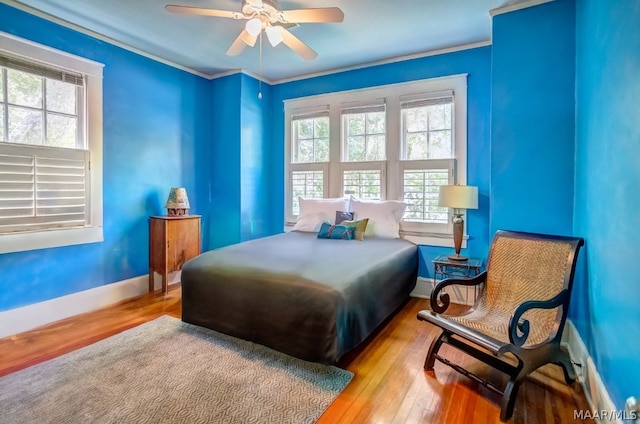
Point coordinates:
pixel 458 258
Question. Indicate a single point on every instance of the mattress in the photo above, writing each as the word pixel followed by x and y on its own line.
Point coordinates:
pixel 311 298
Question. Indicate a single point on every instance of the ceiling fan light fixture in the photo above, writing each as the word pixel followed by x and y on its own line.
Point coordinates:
pixel 254 26
pixel 273 35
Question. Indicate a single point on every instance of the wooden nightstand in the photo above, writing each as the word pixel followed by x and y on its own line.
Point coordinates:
pixel 173 240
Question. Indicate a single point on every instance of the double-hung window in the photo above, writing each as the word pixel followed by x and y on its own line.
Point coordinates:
pixel 50 147
pixel 427 159
pixel 363 149
pixel 310 156
pixel 401 141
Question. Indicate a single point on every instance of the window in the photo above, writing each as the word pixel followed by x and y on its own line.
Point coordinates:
pixel 401 141
pixel 50 147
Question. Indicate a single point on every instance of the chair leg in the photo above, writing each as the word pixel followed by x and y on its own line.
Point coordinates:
pixel 433 350
pixel 564 361
pixel 509 396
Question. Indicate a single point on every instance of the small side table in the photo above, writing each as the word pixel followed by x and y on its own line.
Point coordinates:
pixel 173 240
pixel 443 267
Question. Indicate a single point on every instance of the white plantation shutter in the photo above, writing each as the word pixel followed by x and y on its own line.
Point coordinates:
pixel 421 181
pixel 306 184
pixel 42 187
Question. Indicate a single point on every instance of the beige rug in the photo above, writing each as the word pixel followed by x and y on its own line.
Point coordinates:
pixel 167 371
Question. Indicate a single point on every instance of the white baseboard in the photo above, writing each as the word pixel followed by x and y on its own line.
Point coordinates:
pixel 459 294
pixel 28 317
pixel 596 392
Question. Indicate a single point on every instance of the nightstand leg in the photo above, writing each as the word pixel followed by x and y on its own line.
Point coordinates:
pixel 165 282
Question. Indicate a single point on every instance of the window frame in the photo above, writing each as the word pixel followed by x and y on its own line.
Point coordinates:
pixel 92 71
pixel 393 95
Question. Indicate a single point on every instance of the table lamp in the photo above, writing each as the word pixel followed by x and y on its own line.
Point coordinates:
pixel 458 197
pixel 178 202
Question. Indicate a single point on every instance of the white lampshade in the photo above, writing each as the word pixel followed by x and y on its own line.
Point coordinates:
pixel 274 36
pixel 458 197
pixel 254 26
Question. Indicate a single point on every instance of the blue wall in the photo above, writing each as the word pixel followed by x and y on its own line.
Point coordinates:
pixel 532 119
pixel 153 138
pixel 241 197
pixel 475 62
pixel 607 181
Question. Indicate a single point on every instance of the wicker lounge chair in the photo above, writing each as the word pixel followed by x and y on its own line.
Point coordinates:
pixel 521 310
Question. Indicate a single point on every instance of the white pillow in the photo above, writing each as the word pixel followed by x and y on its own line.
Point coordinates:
pixel 313 212
pixel 384 216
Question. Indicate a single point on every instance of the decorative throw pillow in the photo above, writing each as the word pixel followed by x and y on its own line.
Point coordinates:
pixel 360 226
pixel 343 216
pixel 384 216
pixel 313 212
pixel 336 232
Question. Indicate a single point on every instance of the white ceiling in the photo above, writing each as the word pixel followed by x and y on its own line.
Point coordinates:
pixel 372 31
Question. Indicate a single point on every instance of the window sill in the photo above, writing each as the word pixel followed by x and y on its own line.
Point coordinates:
pixel 432 239
pixel 21 242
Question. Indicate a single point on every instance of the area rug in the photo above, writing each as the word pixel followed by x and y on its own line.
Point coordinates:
pixel 167 371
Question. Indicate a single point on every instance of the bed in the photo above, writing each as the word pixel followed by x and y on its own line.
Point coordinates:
pixel 311 298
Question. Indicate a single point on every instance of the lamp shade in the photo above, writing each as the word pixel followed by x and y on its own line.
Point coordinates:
pixel 458 197
pixel 178 202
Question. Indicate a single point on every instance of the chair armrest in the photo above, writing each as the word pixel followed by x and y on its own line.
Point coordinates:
pixel 519 328
pixel 440 301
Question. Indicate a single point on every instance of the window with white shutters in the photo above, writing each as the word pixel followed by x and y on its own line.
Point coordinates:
pixel 401 141
pixel 428 158
pixel 50 139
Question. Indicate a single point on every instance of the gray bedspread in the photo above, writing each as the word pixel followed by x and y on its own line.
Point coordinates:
pixel 311 298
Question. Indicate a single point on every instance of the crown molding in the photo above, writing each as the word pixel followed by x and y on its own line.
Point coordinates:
pixel 101 37
pixel 385 61
pixel 517 6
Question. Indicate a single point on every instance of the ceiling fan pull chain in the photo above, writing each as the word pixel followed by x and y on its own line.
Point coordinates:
pixel 260 79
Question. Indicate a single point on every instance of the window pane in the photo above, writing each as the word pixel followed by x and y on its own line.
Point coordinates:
pixel 416 146
pixel 307 184
pixel 355 124
pixel 427 132
pixel 439 119
pixel 421 188
pixel 321 151
pixel 363 184
pixel 440 145
pixel 311 140
pixel 366 136
pixel 416 119
pixel 61 97
pixel 24 89
pixel 356 148
pixel 25 126
pixel 2 122
pixel 61 131
pixel 375 148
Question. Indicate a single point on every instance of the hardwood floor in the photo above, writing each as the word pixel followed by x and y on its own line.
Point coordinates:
pixel 389 386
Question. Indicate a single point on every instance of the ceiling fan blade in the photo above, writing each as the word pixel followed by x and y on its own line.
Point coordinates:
pixel 325 14
pixel 296 45
pixel 238 45
pixel 188 10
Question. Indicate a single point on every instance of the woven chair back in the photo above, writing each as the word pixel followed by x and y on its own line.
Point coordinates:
pixel 521 269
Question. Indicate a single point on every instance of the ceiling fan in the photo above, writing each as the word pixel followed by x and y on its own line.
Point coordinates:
pixel 265 15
